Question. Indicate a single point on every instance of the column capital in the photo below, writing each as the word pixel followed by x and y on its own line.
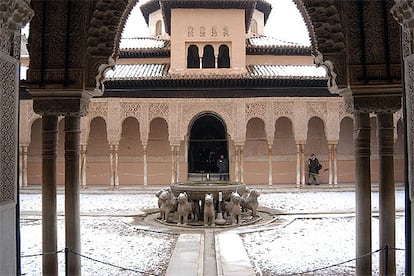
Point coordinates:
pixel 61 102
pixel 373 99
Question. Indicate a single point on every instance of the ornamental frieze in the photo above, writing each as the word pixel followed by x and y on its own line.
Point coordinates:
pixel 98 109
pixel 317 109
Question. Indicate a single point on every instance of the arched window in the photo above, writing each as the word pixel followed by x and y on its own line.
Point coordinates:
pixel 193 60
pixel 224 57
pixel 158 28
pixel 208 57
pixel 253 26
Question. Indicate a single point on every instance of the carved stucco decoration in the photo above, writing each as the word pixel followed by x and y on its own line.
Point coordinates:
pixel 8 133
pixel 158 110
pixel 316 109
pixel 104 35
pixel 130 110
pixel 324 25
pixel 403 12
pixel 98 109
pixel 255 110
pixel 283 109
pixel 14 14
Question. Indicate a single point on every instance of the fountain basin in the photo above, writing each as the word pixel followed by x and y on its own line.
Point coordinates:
pixel 196 190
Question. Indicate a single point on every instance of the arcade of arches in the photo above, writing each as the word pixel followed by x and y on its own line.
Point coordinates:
pixel 128 141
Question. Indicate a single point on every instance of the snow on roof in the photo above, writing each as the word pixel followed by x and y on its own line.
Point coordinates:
pixel 157 71
pixel 287 71
pixel 140 43
pixel 137 71
pixel 267 41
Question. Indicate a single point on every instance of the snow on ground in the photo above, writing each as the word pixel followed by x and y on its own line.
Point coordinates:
pixel 305 243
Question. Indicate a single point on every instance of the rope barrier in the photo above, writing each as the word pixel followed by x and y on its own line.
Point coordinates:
pixel 338 264
pixel 41 254
pixel 109 264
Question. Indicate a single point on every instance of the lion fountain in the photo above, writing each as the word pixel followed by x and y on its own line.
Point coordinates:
pixel 208 205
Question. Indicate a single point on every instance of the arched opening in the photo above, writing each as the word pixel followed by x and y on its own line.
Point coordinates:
pixel 98 153
pixel 159 152
pixel 255 152
pixel 208 140
pixel 158 28
pixel 208 57
pixel 345 151
pixel 34 154
pixel 224 57
pixel 253 26
pixel 130 153
pixel 193 58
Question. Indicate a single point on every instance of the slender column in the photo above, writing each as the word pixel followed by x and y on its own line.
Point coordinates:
pixel 386 192
pixel 116 165
pixel 201 62
pixel 298 165
pixel 25 154
pixel 302 158
pixel 363 193
pixel 270 165
pixel 145 165
pixel 172 164
pixel 335 164
pixel 72 187
pixel 111 165
pixel 241 164
pixel 177 162
pixel 330 167
pixel 237 165
pixel 23 165
pixel 49 219
pixel 83 165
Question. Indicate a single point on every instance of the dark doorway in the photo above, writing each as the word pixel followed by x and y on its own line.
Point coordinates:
pixel 207 142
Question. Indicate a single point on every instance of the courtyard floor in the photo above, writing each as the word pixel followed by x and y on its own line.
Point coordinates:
pixel 311 232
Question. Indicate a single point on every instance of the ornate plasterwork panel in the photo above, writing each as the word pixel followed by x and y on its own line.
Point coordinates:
pixel 255 110
pixel 131 110
pixel 317 109
pixel 283 109
pixel 158 110
pixel 97 109
pixel 8 127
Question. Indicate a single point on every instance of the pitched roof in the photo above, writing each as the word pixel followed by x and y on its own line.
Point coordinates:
pixel 257 45
pixel 160 71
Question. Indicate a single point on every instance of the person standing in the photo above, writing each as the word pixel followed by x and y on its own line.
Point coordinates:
pixel 314 167
pixel 223 166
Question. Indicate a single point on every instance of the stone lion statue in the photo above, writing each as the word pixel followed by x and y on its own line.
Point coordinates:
pixel 167 203
pixel 209 213
pixel 184 208
pixel 250 201
pixel 233 208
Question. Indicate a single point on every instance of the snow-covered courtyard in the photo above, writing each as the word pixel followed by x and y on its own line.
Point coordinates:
pixel 315 229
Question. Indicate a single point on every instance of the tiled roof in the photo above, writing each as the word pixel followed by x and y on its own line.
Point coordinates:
pixel 137 72
pixel 143 43
pixel 160 71
pixel 287 71
pixel 267 41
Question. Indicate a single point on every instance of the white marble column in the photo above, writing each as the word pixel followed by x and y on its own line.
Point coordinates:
pixel 241 164
pixel 335 164
pixel 83 166
pixel 270 158
pixel 116 164
pixel 330 164
pixel 237 165
pixel 23 164
pixel 303 164
pixel 145 165
pixel 173 166
pixel 111 166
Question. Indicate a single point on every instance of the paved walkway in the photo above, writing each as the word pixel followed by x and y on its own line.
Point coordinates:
pixel 210 254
